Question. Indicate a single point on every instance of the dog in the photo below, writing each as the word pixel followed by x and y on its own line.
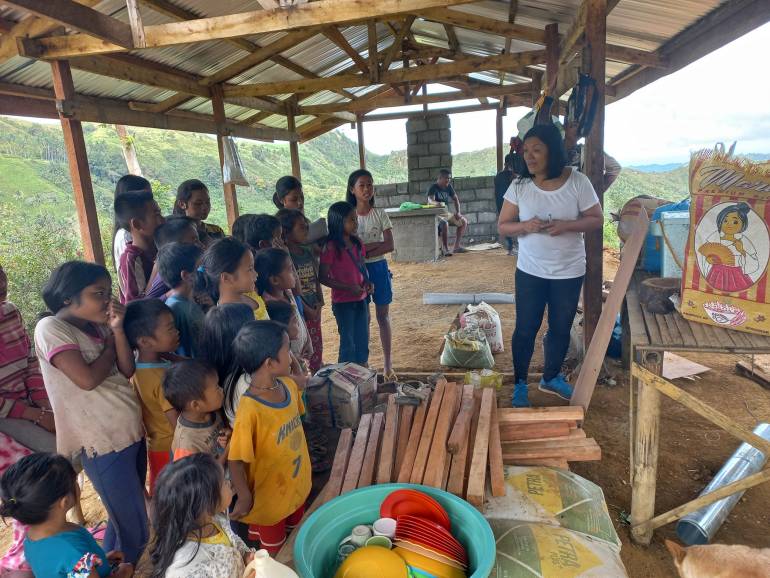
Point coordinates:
pixel 720 561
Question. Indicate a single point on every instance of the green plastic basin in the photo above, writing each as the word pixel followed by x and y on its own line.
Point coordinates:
pixel 315 551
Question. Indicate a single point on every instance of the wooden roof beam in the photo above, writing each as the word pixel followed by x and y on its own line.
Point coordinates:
pixel 313 14
pixel 136 23
pixel 6 25
pixel 426 72
pixel 448 110
pixel 93 23
pixel 451 38
pixel 340 41
pixel 483 24
pixel 398 40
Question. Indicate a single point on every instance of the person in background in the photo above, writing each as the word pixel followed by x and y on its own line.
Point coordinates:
pixel 174 230
pixel 343 270
pixel 548 208
pixel 576 156
pixel 177 266
pixel 121 236
pixel 442 192
pixel 140 215
pixel 150 330
pixel 191 533
pixel 38 490
pixel 288 194
pixel 86 361
pixel 376 233
pixel 503 180
pixel 192 200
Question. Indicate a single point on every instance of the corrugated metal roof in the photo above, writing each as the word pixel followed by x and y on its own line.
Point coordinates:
pixel 639 24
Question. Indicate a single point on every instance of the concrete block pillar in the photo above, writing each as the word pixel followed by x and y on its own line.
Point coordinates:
pixel 429 148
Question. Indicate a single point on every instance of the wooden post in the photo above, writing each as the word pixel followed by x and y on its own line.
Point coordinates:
pixel 552 45
pixel 361 145
pixel 231 197
pixel 425 93
pixel 77 158
pixel 499 138
pixel 296 170
pixel 646 441
pixel 594 52
pixel 537 81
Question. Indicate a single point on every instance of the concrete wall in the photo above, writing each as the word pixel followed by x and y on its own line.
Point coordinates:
pixel 429 148
pixel 477 203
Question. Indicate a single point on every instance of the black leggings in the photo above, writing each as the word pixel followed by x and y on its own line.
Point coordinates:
pixel 532 295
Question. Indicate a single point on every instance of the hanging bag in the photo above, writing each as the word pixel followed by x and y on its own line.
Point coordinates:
pixel 232 168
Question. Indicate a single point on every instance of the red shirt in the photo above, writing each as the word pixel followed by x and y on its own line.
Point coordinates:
pixel 134 273
pixel 345 266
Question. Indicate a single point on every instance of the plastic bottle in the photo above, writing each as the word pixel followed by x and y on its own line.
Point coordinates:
pixel 266 567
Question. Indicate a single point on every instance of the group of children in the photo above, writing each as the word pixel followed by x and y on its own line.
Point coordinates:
pixel 194 373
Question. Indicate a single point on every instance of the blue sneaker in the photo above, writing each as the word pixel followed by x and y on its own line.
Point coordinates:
pixel 520 395
pixel 557 386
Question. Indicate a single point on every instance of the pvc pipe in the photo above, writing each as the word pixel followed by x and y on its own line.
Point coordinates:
pixel 467 298
pixel 700 526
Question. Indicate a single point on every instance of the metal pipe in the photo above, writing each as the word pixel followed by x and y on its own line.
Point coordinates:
pixel 700 526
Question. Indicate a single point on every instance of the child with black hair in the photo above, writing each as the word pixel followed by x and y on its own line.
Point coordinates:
pixel 284 313
pixel 192 200
pixel 191 386
pixel 140 215
pixel 343 269
pixel 295 231
pixel 38 491
pixel 86 360
pixel 258 231
pixel 121 236
pixel 269 460
pixel 288 194
pixel 227 274
pixel 275 280
pixel 191 535
pixel 177 265
pixel 150 329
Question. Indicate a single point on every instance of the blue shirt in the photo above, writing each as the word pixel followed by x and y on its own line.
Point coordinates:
pixel 189 318
pixel 65 555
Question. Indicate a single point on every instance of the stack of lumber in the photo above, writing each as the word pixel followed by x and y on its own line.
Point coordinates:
pixel 545 436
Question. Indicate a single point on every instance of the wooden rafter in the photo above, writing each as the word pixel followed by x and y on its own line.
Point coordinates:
pixel 313 14
pixel 418 113
pixel 338 38
pixel 398 39
pixel 136 23
pixel 483 24
pixel 93 23
pixel 427 72
pixel 6 25
pixel 374 63
pixel 451 38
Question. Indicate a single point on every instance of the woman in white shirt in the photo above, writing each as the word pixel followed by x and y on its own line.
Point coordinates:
pixel 548 208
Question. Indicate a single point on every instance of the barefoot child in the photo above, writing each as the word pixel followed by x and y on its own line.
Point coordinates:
pixel 177 266
pixel 86 361
pixel 376 233
pixel 191 387
pixel 227 273
pixel 38 490
pixel 269 460
pixel 150 330
pixel 192 536
pixel 343 269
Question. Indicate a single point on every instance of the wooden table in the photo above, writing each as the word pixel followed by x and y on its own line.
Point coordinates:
pixel 646 337
pixel 415 234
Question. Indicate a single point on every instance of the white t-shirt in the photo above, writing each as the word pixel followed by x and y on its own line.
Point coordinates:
pixel 105 419
pixel 122 238
pixel 371 228
pixel 540 254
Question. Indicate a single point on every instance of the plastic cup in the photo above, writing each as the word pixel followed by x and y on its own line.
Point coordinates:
pixel 385 527
pixel 382 541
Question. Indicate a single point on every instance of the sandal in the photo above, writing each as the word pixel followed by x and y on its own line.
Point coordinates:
pixel 390 377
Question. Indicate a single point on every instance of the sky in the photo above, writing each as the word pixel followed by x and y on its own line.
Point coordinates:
pixel 724 96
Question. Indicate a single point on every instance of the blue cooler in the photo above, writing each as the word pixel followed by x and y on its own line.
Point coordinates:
pixel 653 244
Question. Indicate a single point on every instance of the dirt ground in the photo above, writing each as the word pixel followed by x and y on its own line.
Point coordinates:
pixel 691 449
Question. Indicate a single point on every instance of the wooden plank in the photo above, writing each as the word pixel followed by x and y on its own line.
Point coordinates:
pixel 333 34
pixel 721 339
pixel 374 61
pixel 547 462
pixel 357 454
pixel 673 330
pixel 434 467
pixel 135 21
pixel 652 327
pixel 577 433
pixel 509 432
pixel 552 56
pixel 520 416
pixel 230 194
pixel 296 167
pixel 739 338
pixel 574 451
pixel 496 472
pixel 459 434
pixel 482 24
pixel 705 411
pixel 754 373
pixel 395 48
pixel 361 145
pixel 95 24
pixel 385 463
pixel 406 413
pixel 698 503
pixel 426 439
pixel 701 339
pixel 458 473
pixel 478 473
pixel 405 472
pixel 589 371
pixel 430 72
pixel 340 463
pixel 77 160
pixel 372 448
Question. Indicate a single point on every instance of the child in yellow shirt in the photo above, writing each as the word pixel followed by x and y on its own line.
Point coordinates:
pixel 151 332
pixel 269 460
